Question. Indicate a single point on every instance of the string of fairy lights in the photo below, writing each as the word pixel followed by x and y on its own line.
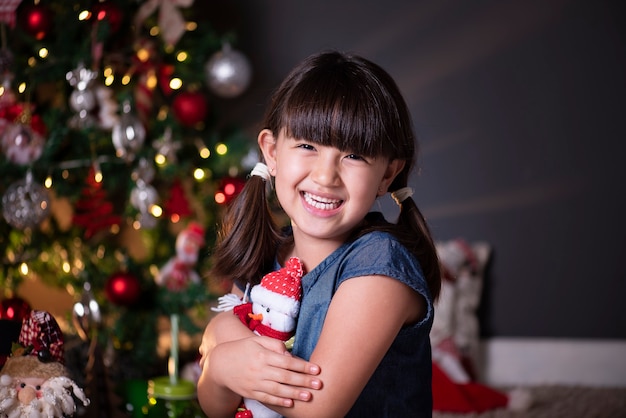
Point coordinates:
pixel 227 74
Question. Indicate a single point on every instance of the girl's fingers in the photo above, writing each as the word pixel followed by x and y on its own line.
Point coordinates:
pixel 273 393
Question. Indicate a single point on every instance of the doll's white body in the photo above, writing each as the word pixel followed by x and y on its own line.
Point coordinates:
pixel 273 312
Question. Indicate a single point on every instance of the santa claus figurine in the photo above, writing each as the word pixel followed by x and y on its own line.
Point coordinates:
pixel 272 312
pixel 455 336
pixel 33 381
pixel 179 271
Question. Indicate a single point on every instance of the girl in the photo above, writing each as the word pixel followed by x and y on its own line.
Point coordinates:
pixel 337 135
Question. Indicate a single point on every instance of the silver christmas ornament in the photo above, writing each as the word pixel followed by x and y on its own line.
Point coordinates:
pixel 228 72
pixel 86 313
pixel 82 99
pixel 21 144
pixel 128 134
pixel 143 196
pixel 166 146
pixel 25 204
pixel 144 171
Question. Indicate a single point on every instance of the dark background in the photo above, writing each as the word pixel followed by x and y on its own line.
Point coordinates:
pixel 519 107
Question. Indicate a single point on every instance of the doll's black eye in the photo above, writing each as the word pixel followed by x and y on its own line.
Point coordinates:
pixel 38 387
pixel 22 385
pixel 267 310
pixel 44 356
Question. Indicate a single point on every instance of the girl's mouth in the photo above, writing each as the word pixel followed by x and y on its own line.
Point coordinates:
pixel 321 203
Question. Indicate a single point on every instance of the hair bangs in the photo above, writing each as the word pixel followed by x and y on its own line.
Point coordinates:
pixel 336 111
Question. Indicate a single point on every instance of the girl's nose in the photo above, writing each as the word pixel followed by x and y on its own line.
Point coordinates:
pixel 325 171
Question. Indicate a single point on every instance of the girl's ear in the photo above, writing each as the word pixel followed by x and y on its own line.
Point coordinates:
pixel 267 144
pixel 393 169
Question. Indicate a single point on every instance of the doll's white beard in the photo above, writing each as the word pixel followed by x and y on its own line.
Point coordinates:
pixel 56 400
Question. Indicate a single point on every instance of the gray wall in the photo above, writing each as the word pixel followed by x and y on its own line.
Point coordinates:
pixel 520 111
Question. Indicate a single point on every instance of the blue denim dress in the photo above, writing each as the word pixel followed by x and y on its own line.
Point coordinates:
pixel 401 385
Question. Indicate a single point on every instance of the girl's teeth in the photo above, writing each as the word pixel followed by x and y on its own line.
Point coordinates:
pixel 321 202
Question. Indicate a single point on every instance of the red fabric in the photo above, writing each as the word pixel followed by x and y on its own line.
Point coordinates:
pixel 449 396
pixel 244 311
pixel 7 11
pixel 285 281
pixel 42 332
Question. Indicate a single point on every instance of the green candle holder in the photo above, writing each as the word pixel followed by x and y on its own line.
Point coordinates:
pixel 167 399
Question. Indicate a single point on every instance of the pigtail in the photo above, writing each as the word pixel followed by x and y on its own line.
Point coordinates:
pixel 249 237
pixel 413 232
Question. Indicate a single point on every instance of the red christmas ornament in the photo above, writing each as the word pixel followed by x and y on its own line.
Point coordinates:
pixel 123 289
pixel 15 112
pixel 166 72
pixel 14 309
pixel 37 20
pixel 190 107
pixel 110 12
pixel 228 189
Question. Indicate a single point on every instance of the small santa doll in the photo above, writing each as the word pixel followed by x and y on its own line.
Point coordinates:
pixel 179 271
pixel 273 312
pixel 455 336
pixel 33 382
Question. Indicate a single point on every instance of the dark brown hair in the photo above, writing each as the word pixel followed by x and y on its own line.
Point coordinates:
pixel 338 100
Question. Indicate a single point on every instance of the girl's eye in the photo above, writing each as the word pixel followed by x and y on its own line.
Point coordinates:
pixel 306 146
pixel 355 157
pixel 267 310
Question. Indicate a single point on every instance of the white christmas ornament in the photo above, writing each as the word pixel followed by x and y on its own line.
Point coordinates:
pixel 25 204
pixel 107 108
pixel 228 72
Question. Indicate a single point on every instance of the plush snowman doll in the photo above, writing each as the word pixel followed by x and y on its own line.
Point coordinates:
pixel 272 312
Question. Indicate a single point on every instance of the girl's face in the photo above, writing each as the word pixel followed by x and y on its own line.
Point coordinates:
pixel 325 192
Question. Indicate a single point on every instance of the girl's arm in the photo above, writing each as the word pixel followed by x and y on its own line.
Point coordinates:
pixel 236 363
pixel 363 319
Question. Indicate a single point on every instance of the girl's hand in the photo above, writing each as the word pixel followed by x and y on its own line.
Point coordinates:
pixel 237 363
pixel 261 368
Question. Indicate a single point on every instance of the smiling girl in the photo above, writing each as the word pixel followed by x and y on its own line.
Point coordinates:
pixel 337 135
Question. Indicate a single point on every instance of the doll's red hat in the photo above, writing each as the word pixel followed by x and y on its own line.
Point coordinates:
pixel 42 336
pixel 282 288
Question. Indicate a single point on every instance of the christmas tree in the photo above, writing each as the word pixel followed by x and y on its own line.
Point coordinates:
pixel 112 149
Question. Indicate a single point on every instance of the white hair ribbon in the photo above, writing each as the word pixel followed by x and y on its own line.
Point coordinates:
pixel 401 195
pixel 261 170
